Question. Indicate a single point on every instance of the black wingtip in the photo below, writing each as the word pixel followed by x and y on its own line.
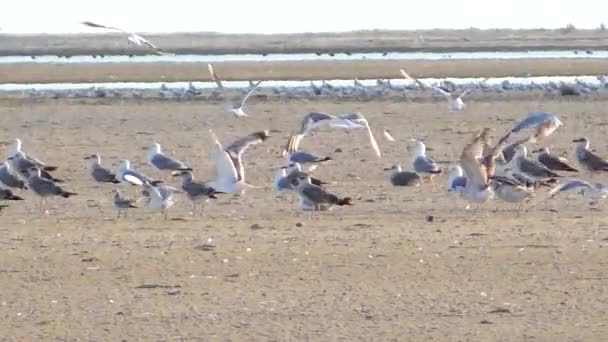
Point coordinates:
pixel 50 168
pixel 68 194
pixel 435 172
pixel 115 181
pixel 184 169
pixel 344 201
pixel 132 206
pixel 156 182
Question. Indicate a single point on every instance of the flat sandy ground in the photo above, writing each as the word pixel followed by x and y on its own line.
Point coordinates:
pixel 296 70
pixel 255 268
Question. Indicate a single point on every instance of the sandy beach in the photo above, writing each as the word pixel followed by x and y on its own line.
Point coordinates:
pixel 255 268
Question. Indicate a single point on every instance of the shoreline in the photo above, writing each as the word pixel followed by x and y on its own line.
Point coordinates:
pixel 336 42
pixel 295 70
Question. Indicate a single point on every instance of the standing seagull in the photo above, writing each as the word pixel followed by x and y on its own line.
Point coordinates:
pixel 544 124
pixel 423 165
pixel 235 107
pixel 160 161
pixel 293 155
pixel 230 172
pixel 122 203
pixel 99 173
pixel 455 102
pixel 9 179
pixel 158 199
pixel 553 162
pixel 44 187
pixel 530 169
pixel 195 191
pixel 131 37
pixel 316 196
pixel 399 177
pixel 587 159
pixel 359 119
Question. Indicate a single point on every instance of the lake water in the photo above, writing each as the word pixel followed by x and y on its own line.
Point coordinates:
pixel 307 57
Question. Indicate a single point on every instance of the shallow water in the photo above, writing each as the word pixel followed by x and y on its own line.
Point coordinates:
pixel 590 80
pixel 306 56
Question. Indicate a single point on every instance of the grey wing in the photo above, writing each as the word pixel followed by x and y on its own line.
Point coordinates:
pixel 44 187
pixel 536 169
pixel 405 178
pixel 165 163
pixel 11 180
pixel 314 119
pixel 593 161
pixel 239 146
pixel 532 120
pixel 24 164
pixel 102 174
pixel 316 194
pixel 459 182
pixel 572 184
pixel 303 157
pixel 353 117
pixel 554 162
pixel 425 164
pixel 285 183
pixel 196 189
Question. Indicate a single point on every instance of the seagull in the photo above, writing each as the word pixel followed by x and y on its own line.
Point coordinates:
pixel 315 120
pixel 511 190
pixel 44 187
pixel 423 165
pixel 314 197
pixel 230 172
pixel 157 198
pixel 358 119
pixel 126 174
pixel 160 161
pixel 530 169
pixel 6 194
pixel 285 176
pixel 293 155
pixel 131 37
pixel 235 108
pixel 21 162
pixel 99 173
pixel 587 159
pixel 9 179
pixel 195 190
pixel 399 177
pixel 456 180
pixel 553 162
pixel 594 192
pixel 455 102
pixel 543 123
pixel 122 203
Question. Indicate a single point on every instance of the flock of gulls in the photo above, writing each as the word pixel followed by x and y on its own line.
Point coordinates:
pixel 503 171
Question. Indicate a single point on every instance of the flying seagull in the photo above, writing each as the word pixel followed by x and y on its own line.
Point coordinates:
pixel 587 159
pixel 455 102
pixel 235 107
pixel 359 119
pixel 315 120
pixel 162 162
pixel 230 171
pixel 131 37
pixel 99 173
pixel 543 124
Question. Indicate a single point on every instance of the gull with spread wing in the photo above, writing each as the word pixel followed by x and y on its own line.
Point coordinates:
pixel 131 37
pixel 235 108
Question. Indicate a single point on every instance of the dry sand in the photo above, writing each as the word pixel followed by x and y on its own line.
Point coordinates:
pixel 295 70
pixel 373 271
pixel 357 41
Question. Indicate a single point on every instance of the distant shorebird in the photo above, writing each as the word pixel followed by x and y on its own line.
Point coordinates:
pixel 162 162
pixel 587 159
pixel 230 171
pixel 122 204
pixel 455 102
pixel 543 124
pixel 553 162
pixel 131 37
pixel 398 177
pixel 99 173
pixel 235 107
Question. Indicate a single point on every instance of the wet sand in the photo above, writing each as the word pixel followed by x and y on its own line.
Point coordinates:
pixel 255 268
pixel 295 70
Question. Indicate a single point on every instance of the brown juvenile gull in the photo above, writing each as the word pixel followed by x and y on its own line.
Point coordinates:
pixel 543 124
